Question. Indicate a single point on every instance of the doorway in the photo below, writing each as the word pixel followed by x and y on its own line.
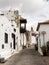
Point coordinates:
pixel 13 37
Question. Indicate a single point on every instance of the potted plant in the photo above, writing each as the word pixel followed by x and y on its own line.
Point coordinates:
pixel 24 46
pixel 36 47
pixel 43 48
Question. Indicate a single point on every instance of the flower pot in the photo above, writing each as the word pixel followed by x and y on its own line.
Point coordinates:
pixel 44 53
pixel 36 47
pixel 43 49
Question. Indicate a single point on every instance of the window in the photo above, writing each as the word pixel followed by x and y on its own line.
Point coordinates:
pixel 12 25
pixel 10 45
pixel 1 14
pixel 2 46
pixel 16 12
pixel 1 24
pixel 22 25
pixel 14 30
pixel 13 36
pixel 6 38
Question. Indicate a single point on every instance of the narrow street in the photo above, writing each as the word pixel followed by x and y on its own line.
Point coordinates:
pixel 26 57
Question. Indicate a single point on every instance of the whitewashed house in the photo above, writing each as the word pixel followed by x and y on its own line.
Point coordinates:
pixel 5 37
pixel 22 31
pixel 28 38
pixel 12 16
pixel 33 36
pixel 43 35
pixel 9 36
pixel 23 39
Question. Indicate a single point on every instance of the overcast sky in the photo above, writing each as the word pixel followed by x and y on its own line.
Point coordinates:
pixel 33 10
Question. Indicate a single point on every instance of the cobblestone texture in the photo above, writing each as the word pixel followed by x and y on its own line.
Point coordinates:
pixel 27 57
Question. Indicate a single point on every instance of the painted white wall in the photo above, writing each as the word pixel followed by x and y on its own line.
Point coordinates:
pixel 19 46
pixel 33 40
pixel 11 14
pixel 7 28
pixel 45 28
pixel 23 39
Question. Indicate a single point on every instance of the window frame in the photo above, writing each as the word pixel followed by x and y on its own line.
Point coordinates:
pixel 2 46
pixel 6 37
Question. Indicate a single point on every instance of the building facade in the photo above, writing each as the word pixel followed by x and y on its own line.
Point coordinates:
pixel 9 36
pixel 43 35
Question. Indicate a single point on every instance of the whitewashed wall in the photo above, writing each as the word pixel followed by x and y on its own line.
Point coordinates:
pixel 19 46
pixel 5 27
pixel 23 39
pixel 46 29
pixel 33 40
pixel 11 14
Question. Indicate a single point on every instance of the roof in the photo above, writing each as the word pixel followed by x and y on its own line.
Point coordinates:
pixel 42 23
pixel 23 21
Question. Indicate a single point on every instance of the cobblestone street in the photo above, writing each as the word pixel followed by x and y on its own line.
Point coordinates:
pixel 27 57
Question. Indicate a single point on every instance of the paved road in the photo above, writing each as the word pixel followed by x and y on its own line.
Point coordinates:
pixel 26 57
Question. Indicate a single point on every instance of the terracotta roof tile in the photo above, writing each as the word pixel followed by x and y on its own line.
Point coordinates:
pixel 41 23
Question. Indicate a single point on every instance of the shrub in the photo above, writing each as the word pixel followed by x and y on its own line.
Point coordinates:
pixel 43 48
pixel 23 47
pixel 36 47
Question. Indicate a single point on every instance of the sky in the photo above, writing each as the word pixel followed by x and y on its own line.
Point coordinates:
pixel 33 10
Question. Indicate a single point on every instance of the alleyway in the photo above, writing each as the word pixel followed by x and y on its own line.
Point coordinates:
pixel 26 57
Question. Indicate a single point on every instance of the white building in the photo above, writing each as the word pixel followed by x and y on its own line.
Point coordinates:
pixel 33 36
pixel 23 39
pixel 43 36
pixel 9 36
pixel 11 14
pixel 28 38
pixel 22 31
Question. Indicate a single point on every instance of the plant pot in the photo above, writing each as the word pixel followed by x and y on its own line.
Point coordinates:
pixel 36 47
pixel 43 48
pixel 2 60
pixel 23 47
pixel 44 53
